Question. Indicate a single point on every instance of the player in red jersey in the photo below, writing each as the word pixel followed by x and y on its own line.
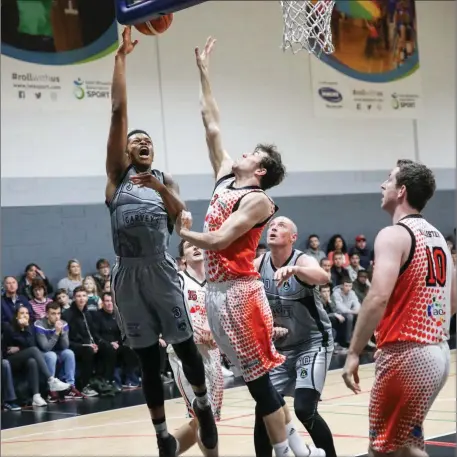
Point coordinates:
pixel 238 311
pixel 412 298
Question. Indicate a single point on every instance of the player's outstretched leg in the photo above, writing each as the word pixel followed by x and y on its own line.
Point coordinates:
pixel 194 370
pixel 153 392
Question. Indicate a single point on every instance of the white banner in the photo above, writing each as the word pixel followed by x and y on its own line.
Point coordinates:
pixel 374 71
pixel 55 56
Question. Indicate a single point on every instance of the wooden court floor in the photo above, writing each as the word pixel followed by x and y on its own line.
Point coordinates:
pixel 128 431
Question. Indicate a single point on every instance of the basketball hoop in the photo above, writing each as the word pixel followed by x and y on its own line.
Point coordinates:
pixel 307 26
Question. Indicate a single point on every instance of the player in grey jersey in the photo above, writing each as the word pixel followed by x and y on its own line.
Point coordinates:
pixel 143 205
pixel 303 329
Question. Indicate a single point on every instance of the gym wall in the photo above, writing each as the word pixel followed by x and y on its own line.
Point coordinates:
pixel 53 163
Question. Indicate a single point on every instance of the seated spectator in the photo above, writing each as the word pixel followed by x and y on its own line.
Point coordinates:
pixel 337 244
pixel 40 298
pixel 84 343
pixel 261 250
pixel 107 287
pixel 94 301
pixel 454 256
pixel 337 271
pixel 23 354
pixel 32 271
pixel 62 298
pixel 335 318
pixel 314 248
pixel 326 265
pixel 361 285
pixel 450 242
pixel 366 256
pixel 52 339
pixel 347 304
pixel 111 339
pixel 355 267
pixel 103 273
pixel 11 301
pixel 73 279
pixel 9 397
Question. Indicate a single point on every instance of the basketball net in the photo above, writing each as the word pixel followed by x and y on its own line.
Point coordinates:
pixel 307 26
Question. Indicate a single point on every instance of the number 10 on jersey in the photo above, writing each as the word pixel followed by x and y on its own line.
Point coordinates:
pixel 436 267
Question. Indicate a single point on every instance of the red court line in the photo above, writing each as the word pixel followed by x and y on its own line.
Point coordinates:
pixel 440 444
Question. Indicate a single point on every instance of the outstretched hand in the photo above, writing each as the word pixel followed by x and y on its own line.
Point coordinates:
pixel 127 45
pixel 203 56
pixel 183 221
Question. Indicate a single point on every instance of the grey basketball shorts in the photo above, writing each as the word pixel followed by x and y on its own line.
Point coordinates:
pixel 149 301
pixel 304 368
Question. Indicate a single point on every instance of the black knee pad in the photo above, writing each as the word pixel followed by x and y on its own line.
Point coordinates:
pixel 150 375
pixel 265 395
pixel 192 362
pixel 305 405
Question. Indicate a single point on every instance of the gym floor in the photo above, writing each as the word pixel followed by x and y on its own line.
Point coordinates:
pixel 121 425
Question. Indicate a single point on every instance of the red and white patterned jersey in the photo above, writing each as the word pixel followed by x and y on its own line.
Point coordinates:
pixel 236 261
pixel 419 309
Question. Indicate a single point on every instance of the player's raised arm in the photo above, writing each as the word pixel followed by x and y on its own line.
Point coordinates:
pixel 220 160
pixel 255 208
pixel 116 158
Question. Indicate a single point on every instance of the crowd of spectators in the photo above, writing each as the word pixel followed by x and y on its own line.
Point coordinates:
pixel 64 343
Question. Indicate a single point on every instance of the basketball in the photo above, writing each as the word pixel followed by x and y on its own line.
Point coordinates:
pixel 155 26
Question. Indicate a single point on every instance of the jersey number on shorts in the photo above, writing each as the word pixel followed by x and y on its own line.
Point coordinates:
pixel 436 264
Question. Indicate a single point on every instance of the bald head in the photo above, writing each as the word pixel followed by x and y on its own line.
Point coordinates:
pixel 282 232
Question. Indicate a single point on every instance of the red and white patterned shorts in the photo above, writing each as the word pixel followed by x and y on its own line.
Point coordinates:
pixel 409 376
pixel 241 322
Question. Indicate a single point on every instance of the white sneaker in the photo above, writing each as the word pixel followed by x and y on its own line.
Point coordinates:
pixel 226 373
pixel 38 400
pixel 56 385
pixel 314 451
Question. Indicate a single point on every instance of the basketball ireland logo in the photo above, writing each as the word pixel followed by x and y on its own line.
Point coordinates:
pixel 435 311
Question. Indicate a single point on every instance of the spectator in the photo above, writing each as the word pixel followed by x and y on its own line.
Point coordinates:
pixel 313 248
pixel 327 267
pixel 73 279
pixel 347 304
pixel 40 299
pixel 360 248
pixel 337 271
pixel 337 243
pixel 361 285
pixel 450 242
pixel 62 298
pixel 454 256
pixel 110 338
pixel 52 338
pixel 32 271
pixel 354 266
pixel 11 301
pixel 107 287
pixel 336 318
pixel 103 273
pixel 94 301
pixel 22 352
pixel 261 250
pixel 83 342
pixel 9 397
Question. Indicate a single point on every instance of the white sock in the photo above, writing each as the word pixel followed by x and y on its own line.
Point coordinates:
pixel 281 449
pixel 297 445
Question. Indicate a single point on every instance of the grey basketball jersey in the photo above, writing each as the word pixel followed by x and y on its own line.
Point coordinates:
pixel 140 225
pixel 297 307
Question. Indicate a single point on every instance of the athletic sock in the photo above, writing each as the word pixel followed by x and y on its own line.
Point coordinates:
pixel 202 399
pixel 297 445
pixel 161 427
pixel 282 449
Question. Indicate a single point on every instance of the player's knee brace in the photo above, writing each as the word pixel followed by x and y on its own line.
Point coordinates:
pixel 305 405
pixel 150 375
pixel 192 362
pixel 265 395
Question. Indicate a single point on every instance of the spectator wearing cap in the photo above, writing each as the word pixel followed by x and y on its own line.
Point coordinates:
pixel 361 249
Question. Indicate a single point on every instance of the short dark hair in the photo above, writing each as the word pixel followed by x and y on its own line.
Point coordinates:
pixel 60 292
pixel 30 266
pixel 323 260
pixel 261 246
pixel 52 305
pixel 101 263
pixel 325 286
pixel 313 235
pixel 181 248
pixel 347 280
pixel 362 273
pixel 79 289
pixel 136 132
pixel 39 284
pixel 355 254
pixel 104 294
pixel 272 163
pixel 419 182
